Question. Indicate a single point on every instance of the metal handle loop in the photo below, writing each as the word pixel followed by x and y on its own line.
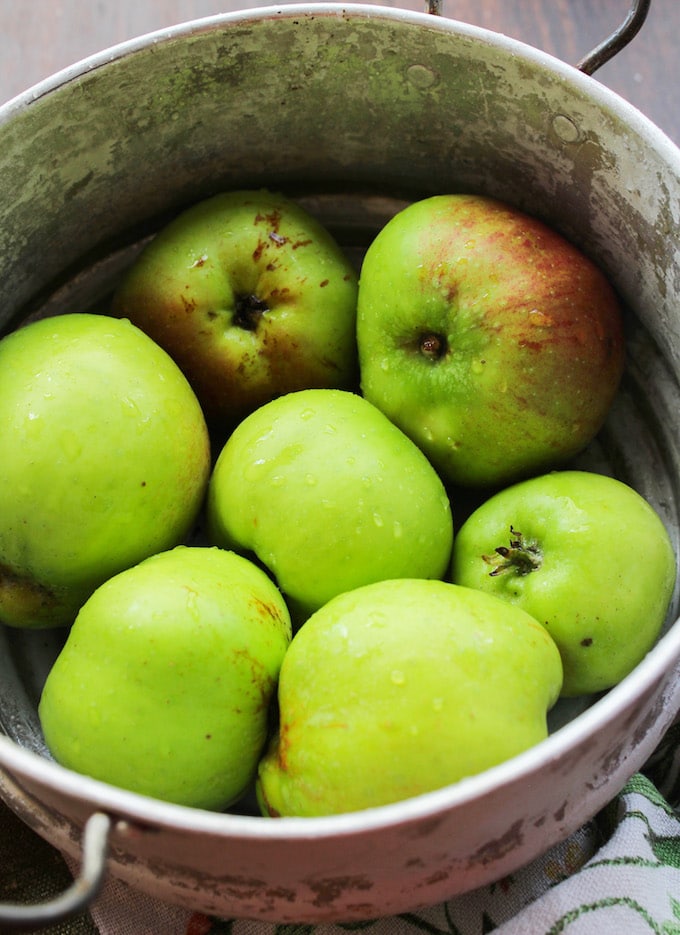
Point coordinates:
pixel 606 49
pixel 618 39
pixel 20 917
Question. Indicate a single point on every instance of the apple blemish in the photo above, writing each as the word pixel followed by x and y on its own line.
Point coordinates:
pixel 253 323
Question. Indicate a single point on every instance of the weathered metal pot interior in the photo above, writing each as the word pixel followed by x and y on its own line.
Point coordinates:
pixel 354 110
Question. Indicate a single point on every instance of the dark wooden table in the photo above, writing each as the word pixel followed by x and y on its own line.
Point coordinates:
pixel 39 37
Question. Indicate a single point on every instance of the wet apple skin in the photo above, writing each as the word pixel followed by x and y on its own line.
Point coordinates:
pixel 529 347
pixel 188 287
pixel 329 495
pixel 104 460
pixel 164 683
pixel 402 687
pixel 606 576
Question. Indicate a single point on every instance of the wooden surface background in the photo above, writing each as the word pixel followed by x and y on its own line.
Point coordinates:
pixel 39 37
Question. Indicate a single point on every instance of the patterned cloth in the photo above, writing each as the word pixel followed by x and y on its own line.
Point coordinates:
pixel 618 875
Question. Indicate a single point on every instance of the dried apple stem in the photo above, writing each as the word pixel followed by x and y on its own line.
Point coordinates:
pixel 522 556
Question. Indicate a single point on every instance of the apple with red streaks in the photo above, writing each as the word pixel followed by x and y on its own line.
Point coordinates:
pixel 487 337
pixel 251 296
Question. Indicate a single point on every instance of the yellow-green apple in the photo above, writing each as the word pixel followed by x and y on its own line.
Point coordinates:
pixel 251 296
pixel 401 687
pixel 491 340
pixel 164 683
pixel 583 553
pixel 329 495
pixel 104 460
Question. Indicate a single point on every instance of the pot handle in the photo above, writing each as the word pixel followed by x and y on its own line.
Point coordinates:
pixel 606 49
pixel 18 918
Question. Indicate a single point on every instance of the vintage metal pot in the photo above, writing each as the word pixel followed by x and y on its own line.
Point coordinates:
pixel 355 109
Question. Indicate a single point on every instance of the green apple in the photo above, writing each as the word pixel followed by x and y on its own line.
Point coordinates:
pixel 104 460
pixel 329 495
pixel 164 683
pixel 402 687
pixel 494 343
pixel 584 554
pixel 251 296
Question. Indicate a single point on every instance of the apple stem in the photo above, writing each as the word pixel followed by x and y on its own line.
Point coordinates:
pixel 522 556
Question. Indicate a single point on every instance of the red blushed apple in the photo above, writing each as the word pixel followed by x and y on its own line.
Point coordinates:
pixel 251 296
pixel 487 337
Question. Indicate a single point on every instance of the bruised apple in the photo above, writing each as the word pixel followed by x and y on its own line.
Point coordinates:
pixel 164 682
pixel 251 296
pixel 329 495
pixel 494 343
pixel 104 460
pixel 584 554
pixel 402 687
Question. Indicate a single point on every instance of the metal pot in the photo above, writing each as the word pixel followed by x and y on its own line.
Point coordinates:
pixel 355 110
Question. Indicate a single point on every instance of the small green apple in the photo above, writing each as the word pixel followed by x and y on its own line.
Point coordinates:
pixel 329 495
pixel 104 460
pixel 495 344
pixel 402 687
pixel 585 555
pixel 252 297
pixel 164 683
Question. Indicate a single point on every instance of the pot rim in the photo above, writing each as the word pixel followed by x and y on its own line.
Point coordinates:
pixel 600 93
pixel 658 665
pixel 660 662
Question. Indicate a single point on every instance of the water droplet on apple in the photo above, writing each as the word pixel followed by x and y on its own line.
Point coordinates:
pixel 341 630
pixel 307 414
pixel 397 677
pixel 277 480
pixel 397 529
pixel 70 445
pixel 311 480
pixel 253 470
pixel 385 364
pixel 438 704
pixel 330 429
pixel 478 366
pixel 192 603
pixel 130 408
pixel 378 520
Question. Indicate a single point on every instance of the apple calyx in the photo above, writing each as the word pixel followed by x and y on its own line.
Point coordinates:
pixel 248 309
pixel 432 345
pixel 522 556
